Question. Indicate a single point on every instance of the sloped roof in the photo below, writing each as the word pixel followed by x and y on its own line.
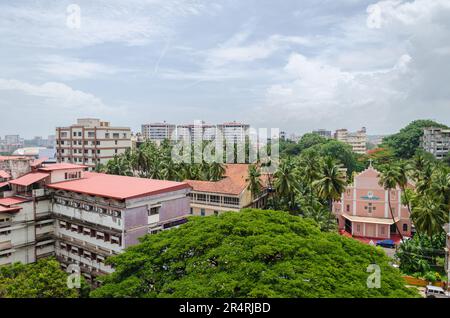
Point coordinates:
pixel 29 179
pixel 118 187
pixel 4 174
pixel 233 183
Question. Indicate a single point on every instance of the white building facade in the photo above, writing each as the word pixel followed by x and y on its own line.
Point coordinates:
pixel 91 142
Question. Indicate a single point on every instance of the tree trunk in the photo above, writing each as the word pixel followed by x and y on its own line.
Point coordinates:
pixel 392 214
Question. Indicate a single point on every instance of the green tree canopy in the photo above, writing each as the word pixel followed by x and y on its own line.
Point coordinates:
pixel 407 141
pixel 254 253
pixel 43 279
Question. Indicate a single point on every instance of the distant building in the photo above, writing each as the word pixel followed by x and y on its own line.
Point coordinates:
pixel 197 131
pixel 357 140
pixel 436 141
pixel 323 132
pixel 91 142
pixel 233 131
pixel 10 143
pixel 29 152
pixel 363 210
pixel 228 194
pixel 157 132
pixel 83 217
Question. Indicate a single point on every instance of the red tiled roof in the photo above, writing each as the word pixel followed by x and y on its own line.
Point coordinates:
pixel 233 183
pixel 10 210
pixel 38 162
pixel 4 158
pixel 29 179
pixel 3 184
pixel 118 187
pixel 12 201
pixel 4 174
pixel 61 166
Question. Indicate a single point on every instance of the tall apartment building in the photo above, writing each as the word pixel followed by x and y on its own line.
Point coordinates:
pixel 197 131
pixel 84 217
pixel 158 132
pixel 233 131
pixel 91 142
pixel 436 141
pixel 358 139
pixel 323 132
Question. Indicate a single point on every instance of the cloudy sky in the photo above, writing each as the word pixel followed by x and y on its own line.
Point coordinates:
pixel 292 64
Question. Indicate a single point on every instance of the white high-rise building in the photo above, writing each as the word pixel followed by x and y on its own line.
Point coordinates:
pixel 158 132
pixel 436 141
pixel 91 142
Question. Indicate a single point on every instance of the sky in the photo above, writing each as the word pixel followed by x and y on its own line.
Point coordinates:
pixel 296 65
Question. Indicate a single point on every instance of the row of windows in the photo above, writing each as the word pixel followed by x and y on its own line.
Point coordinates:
pixel 91 134
pixel 201 197
pixel 106 237
pixel 89 207
pixel 81 252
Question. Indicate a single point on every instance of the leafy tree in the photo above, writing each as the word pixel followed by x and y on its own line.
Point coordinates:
pixel 254 253
pixel 331 182
pixel 309 140
pixel 286 181
pixel 388 180
pixel 254 181
pixel 43 279
pixel 430 215
pixel 407 141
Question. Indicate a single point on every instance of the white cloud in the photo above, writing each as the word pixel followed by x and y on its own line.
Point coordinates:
pixel 71 68
pixel 57 95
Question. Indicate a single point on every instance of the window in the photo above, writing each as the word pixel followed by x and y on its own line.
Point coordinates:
pixel 201 197
pixel 231 201
pixel 154 211
pixel 348 208
pixel 358 228
pixel 5 232
pixel 107 135
pixel 202 212
pixel 91 134
pixel 214 199
pixel 405 227
pixel 192 211
pixel 116 135
pixel 382 230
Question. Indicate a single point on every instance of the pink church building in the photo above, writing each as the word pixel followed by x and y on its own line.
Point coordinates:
pixel 363 210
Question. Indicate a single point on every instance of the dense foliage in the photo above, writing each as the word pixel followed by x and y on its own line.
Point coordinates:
pixel 407 141
pixel 156 162
pixel 43 279
pixel 421 254
pixel 254 253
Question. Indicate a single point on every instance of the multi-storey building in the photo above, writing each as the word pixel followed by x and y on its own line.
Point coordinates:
pixel 365 209
pixel 234 132
pixel 436 141
pixel 358 140
pixel 91 142
pixel 196 132
pixel 323 132
pixel 231 193
pixel 84 217
pixel 158 132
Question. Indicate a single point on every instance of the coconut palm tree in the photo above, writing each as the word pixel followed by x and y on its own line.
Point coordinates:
pixel 430 215
pixel 286 181
pixel 388 180
pixel 319 213
pixel 331 183
pixel 441 185
pixel 404 170
pixel 253 180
